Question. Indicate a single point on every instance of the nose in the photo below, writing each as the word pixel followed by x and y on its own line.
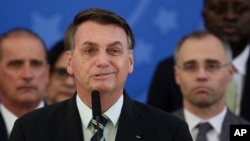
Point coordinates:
pixel 27 72
pixel 102 59
pixel 230 14
pixel 202 74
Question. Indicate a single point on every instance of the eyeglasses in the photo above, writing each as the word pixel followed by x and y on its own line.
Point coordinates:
pixel 60 73
pixel 210 67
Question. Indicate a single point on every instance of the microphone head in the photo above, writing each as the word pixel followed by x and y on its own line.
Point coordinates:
pixel 96 104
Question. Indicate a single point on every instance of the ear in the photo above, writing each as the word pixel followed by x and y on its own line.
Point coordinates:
pixel 231 72
pixel 69 63
pixel 48 73
pixel 131 61
pixel 176 75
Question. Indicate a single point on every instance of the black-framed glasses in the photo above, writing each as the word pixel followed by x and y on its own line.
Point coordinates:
pixel 61 73
pixel 210 67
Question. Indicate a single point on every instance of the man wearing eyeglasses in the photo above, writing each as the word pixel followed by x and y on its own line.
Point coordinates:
pixel 203 69
pixel 229 20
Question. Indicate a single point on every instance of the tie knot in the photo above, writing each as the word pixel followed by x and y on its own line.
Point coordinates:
pixel 99 121
pixel 203 129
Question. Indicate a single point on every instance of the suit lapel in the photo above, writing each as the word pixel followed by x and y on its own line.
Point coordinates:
pixel 225 130
pixel 130 115
pixel 72 126
pixel 3 130
pixel 245 111
pixel 179 114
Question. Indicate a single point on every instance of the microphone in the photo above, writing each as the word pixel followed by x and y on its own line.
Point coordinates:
pixel 96 104
pixel 96 109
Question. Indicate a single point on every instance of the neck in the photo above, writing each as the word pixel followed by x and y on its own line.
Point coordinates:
pixel 205 112
pixel 107 99
pixel 20 109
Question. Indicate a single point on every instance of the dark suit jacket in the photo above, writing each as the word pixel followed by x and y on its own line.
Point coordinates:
pixel 165 94
pixel 230 119
pixel 61 122
pixel 3 129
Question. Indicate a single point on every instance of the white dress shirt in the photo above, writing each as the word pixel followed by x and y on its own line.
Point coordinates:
pixel 216 122
pixel 240 63
pixel 113 113
pixel 9 118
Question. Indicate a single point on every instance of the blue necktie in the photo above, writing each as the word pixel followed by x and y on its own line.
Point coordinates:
pixel 98 136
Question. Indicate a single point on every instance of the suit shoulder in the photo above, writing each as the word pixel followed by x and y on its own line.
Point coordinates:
pixel 156 113
pixel 169 61
pixel 47 111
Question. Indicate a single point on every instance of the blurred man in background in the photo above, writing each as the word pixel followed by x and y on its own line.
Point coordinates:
pixel 229 20
pixel 24 73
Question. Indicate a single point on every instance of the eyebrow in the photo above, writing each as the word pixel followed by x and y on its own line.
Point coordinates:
pixel 89 43
pixel 206 61
pixel 189 62
pixel 212 61
pixel 95 44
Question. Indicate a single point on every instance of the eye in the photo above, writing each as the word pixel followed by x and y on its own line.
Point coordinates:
pixel 15 64
pixel 240 9
pixel 114 51
pixel 89 50
pixel 189 67
pixel 212 66
pixel 36 63
pixel 219 9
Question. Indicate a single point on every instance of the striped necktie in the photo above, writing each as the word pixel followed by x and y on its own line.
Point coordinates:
pixel 99 126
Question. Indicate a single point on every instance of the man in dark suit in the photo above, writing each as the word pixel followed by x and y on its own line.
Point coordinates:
pixel 99 46
pixel 24 74
pixel 203 69
pixel 230 21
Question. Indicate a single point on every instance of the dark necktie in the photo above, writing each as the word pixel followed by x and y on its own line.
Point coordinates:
pixel 98 136
pixel 203 129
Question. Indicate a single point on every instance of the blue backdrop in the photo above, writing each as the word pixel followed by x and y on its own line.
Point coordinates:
pixel 157 25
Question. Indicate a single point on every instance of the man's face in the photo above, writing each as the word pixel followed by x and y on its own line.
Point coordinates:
pixel 228 18
pixel 23 70
pixel 101 59
pixel 203 71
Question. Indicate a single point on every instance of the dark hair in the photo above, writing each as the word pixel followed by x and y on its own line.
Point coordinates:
pixel 19 32
pixel 100 16
pixel 56 50
pixel 201 34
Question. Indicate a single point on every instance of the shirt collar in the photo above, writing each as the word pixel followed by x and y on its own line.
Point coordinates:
pixel 10 118
pixel 112 113
pixel 216 122
pixel 240 61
